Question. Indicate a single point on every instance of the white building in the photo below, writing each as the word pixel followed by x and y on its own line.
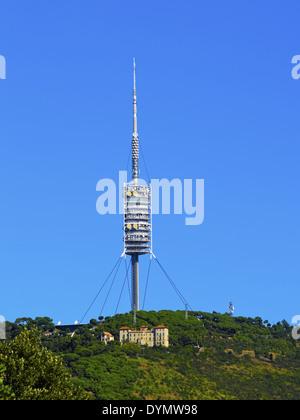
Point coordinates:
pixel 158 336
pixel 106 337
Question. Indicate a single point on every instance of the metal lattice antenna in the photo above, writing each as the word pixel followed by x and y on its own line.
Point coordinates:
pixel 135 138
pixel 231 309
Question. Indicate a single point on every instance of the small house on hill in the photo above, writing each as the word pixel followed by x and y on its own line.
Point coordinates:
pixel 106 337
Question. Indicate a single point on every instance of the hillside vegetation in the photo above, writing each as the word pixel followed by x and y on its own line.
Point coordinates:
pixel 211 356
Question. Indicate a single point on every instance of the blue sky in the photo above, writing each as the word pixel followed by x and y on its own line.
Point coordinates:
pixel 216 101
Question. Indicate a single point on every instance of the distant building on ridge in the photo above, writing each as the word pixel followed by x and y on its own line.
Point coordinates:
pixel 158 336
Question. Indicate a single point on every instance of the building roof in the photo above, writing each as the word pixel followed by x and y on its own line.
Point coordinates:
pixel 160 326
pixel 107 333
pixel 124 328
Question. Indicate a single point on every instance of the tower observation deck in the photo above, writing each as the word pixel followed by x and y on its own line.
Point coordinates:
pixel 137 212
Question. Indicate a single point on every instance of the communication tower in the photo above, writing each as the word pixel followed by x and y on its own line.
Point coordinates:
pixel 137 228
pixel 137 212
pixel 231 309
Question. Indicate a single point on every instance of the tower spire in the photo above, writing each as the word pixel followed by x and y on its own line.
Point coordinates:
pixel 134 102
pixel 135 138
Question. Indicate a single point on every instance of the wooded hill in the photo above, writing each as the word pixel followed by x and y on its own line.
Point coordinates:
pixel 211 356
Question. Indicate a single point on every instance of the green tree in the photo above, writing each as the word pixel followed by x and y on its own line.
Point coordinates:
pixel 34 373
pixel 5 391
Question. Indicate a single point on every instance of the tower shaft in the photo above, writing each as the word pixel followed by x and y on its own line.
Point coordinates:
pixel 135 282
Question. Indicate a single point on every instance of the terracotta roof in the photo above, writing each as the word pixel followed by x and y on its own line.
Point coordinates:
pixel 160 326
pixel 124 328
pixel 107 333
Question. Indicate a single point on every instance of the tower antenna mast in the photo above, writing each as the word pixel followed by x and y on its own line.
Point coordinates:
pixel 135 137
pixel 231 309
